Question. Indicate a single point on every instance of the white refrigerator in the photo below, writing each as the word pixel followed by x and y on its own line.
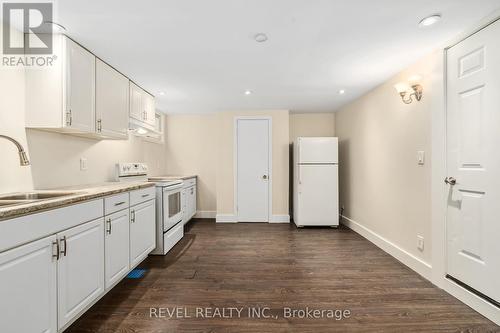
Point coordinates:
pixel 316 185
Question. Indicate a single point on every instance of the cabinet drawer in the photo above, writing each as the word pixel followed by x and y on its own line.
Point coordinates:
pixel 116 203
pixel 138 196
pixel 189 182
pixel 173 236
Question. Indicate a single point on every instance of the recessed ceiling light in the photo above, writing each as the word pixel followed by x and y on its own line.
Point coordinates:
pixel 341 91
pixel 161 93
pixel 248 92
pixel 260 38
pixel 430 20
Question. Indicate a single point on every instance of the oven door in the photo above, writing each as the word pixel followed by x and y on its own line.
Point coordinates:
pixel 172 207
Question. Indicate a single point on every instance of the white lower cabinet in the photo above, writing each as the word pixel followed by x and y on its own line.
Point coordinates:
pixel 28 282
pixel 80 270
pixel 116 247
pixel 142 231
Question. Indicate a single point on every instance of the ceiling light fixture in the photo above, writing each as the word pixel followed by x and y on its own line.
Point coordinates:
pixel 161 93
pixel 248 92
pixel 260 37
pixel 429 20
pixel 341 91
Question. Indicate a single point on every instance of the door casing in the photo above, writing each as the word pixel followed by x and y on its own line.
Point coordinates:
pixel 235 163
pixel 439 191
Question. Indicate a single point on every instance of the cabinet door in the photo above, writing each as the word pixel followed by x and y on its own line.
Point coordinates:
pixel 80 269
pixel 142 231
pixel 112 98
pixel 116 247
pixel 192 200
pixel 80 88
pixel 28 288
pixel 136 109
pixel 149 109
pixel 184 205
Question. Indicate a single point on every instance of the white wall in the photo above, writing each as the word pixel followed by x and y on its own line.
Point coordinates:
pixel 382 187
pixel 12 176
pixel 191 149
pixel 311 124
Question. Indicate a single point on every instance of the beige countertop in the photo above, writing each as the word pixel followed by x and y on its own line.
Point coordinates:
pixel 171 177
pixel 79 194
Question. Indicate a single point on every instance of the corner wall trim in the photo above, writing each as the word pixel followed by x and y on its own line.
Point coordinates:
pixel 416 264
pixel 280 219
pixel 205 214
pixel 225 218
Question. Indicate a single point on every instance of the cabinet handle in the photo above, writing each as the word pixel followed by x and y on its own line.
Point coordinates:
pixel 145 195
pixel 65 250
pixel 69 117
pixel 56 255
pixel 119 203
pixel 108 221
pixel 132 217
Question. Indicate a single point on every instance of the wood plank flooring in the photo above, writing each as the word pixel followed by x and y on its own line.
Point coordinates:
pixel 278 266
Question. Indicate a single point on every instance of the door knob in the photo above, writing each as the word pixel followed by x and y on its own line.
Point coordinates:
pixel 450 181
pixel 264 177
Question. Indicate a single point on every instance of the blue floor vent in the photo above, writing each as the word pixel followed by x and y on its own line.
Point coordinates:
pixel 136 273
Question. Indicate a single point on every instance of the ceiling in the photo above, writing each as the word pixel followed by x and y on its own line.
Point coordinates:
pixel 203 56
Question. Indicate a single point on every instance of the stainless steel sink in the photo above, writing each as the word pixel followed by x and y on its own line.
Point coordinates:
pixel 20 198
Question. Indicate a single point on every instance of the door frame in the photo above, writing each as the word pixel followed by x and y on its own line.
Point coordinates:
pixel 439 190
pixel 235 164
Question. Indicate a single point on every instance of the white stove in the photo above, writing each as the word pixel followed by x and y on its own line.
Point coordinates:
pixel 169 224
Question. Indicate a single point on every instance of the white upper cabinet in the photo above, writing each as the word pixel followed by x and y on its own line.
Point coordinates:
pixel 142 107
pixel 112 101
pixel 80 94
pixel 61 97
pixel 80 88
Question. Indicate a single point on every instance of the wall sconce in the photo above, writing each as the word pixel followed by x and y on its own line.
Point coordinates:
pixel 409 90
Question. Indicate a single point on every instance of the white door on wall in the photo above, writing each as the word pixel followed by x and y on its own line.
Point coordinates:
pixel 253 166
pixel 473 162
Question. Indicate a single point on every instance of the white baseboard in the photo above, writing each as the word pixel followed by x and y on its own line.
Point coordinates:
pixel 416 264
pixel 231 218
pixel 205 214
pixel 280 219
pixel 225 218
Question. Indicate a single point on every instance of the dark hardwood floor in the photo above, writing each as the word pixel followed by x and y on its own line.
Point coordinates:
pixel 278 266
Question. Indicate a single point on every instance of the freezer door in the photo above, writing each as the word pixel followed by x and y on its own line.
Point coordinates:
pixel 317 195
pixel 317 150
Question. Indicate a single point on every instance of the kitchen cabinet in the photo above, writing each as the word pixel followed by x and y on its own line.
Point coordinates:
pixel 82 95
pixel 112 102
pixel 116 247
pixel 61 97
pixel 142 231
pixel 189 199
pixel 142 108
pixel 80 272
pixel 28 277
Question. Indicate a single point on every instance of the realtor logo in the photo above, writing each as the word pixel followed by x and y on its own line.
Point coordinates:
pixel 35 18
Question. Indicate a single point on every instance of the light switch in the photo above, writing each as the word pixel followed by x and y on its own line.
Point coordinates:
pixel 421 157
pixel 420 243
pixel 83 164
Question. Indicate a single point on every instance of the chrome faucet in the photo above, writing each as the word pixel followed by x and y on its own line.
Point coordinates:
pixel 23 157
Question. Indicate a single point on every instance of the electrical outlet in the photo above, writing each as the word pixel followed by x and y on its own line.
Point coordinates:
pixel 83 164
pixel 421 157
pixel 420 243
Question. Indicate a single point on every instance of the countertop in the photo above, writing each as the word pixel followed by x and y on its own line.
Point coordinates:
pixel 82 193
pixel 171 177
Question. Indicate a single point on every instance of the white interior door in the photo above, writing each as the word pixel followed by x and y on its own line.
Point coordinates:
pixel 473 135
pixel 253 176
